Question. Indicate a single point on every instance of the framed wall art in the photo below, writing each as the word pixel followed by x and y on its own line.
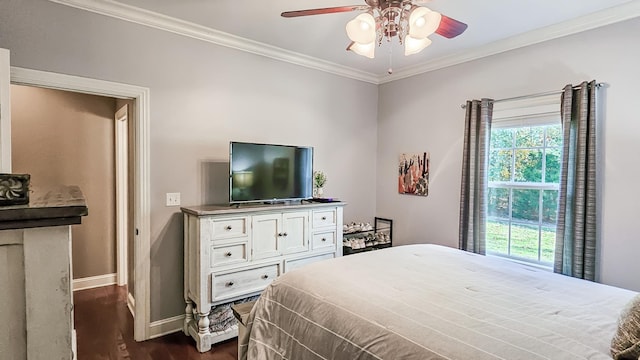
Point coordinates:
pixel 413 174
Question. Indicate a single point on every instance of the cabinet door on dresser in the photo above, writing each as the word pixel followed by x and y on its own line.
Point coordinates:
pixel 295 235
pixel 266 232
pixel 278 234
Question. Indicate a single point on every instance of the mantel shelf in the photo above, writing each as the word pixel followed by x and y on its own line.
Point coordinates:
pixel 53 206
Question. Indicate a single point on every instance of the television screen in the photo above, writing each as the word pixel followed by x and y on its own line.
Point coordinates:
pixel 267 172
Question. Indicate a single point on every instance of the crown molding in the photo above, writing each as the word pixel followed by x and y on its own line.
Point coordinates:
pixel 156 20
pixel 167 23
pixel 591 21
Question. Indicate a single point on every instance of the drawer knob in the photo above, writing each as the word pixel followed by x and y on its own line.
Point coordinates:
pixel 324 218
pixel 265 276
pixel 324 239
pixel 285 234
pixel 228 254
pixel 229 284
pixel 228 227
pixel 279 234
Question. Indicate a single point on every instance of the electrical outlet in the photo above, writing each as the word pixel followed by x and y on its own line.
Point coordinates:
pixel 173 199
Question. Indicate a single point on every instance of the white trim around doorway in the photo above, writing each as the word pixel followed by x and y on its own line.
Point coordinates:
pixel 5 113
pixel 141 206
pixel 122 193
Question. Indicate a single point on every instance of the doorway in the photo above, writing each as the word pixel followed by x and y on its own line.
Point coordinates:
pixel 140 206
pixel 62 137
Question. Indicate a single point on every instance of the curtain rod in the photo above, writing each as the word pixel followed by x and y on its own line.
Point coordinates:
pixel 533 95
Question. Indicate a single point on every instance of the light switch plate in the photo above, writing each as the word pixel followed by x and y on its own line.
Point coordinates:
pixel 173 199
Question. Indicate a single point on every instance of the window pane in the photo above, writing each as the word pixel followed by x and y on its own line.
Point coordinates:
pixel 521 216
pixel 500 165
pixel 501 138
pixel 554 135
pixel 552 174
pixel 525 205
pixel 548 243
pixel 528 166
pixel 498 237
pixel 498 202
pixel 549 206
pixel 524 241
pixel 530 136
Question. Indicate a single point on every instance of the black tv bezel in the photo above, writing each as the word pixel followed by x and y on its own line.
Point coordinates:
pixel 268 200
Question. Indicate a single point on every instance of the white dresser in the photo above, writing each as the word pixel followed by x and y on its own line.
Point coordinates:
pixel 232 253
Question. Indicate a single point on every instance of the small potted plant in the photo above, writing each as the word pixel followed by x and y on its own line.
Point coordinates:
pixel 319 179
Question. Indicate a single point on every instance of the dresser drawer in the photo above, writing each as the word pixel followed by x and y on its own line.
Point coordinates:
pixel 242 282
pixel 228 228
pixel 323 218
pixel 324 240
pixel 227 255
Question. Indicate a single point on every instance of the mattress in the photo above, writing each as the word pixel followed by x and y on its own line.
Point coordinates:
pixel 431 302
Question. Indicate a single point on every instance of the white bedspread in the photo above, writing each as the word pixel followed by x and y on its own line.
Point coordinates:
pixel 431 302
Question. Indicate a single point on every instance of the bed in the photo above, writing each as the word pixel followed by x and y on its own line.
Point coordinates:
pixel 431 302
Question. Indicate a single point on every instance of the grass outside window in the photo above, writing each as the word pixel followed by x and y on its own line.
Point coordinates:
pixel 524 241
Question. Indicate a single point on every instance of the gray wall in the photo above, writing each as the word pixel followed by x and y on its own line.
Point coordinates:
pixel 423 113
pixel 203 96
pixel 62 137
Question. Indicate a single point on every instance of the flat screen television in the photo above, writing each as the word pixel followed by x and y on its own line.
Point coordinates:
pixel 269 172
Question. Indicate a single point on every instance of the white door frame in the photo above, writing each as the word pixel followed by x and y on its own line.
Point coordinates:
pixel 141 119
pixel 122 193
pixel 5 113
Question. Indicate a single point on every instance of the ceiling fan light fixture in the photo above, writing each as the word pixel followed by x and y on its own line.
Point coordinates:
pixel 423 22
pixel 367 50
pixel 404 20
pixel 414 46
pixel 362 29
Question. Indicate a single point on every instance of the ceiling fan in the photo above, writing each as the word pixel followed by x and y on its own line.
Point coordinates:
pixel 385 19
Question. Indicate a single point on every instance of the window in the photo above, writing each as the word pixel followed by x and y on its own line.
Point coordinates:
pixel 524 175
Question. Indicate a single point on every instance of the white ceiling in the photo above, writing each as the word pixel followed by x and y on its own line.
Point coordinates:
pixel 494 26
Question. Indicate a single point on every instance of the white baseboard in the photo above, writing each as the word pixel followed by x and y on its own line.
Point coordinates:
pixel 166 326
pixel 131 304
pixel 74 345
pixel 94 282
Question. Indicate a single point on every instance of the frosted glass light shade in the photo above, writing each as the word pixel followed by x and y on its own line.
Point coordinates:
pixel 367 50
pixel 362 29
pixel 414 46
pixel 423 22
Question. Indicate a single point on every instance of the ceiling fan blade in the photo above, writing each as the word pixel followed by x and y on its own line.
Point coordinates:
pixel 331 10
pixel 450 28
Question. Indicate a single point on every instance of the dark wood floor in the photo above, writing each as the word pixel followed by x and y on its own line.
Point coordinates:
pixel 105 331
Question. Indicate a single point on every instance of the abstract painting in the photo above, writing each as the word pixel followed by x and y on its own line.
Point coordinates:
pixel 413 174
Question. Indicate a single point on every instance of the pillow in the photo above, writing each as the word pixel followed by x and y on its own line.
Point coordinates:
pixel 626 342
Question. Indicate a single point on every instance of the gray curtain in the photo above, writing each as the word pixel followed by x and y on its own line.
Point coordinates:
pixel 576 229
pixel 475 163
